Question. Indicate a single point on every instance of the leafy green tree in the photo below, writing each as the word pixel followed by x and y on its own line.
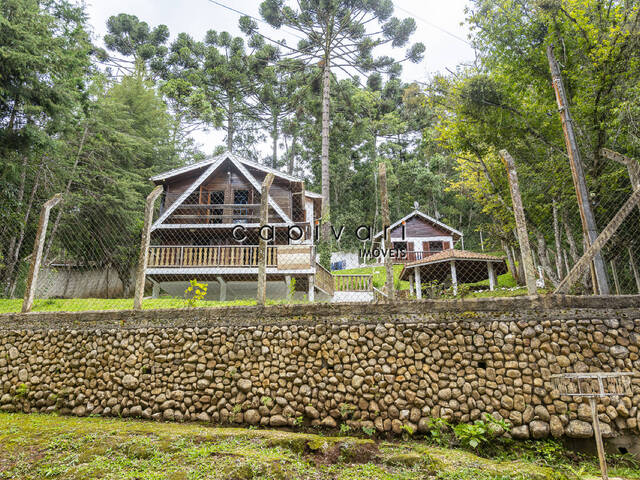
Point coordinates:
pixel 335 36
pixel 127 140
pixel 45 56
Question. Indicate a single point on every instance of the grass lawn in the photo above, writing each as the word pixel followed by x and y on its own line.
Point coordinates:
pixel 47 446
pixel 80 304
pixel 506 286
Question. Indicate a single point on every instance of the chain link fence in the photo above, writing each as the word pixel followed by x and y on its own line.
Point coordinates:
pixel 214 241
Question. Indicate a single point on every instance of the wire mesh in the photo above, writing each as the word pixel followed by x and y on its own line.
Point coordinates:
pixel 205 247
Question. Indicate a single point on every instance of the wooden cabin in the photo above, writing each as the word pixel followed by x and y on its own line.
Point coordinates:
pixel 207 229
pixel 420 236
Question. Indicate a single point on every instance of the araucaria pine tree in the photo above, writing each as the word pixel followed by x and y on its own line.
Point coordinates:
pixel 337 35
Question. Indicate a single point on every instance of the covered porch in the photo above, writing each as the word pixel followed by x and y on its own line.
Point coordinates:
pixel 458 266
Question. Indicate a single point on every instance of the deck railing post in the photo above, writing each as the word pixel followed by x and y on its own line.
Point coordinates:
pixel 262 249
pixel 144 247
pixel 38 248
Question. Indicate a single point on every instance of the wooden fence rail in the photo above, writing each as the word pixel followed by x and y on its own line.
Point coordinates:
pixel 353 283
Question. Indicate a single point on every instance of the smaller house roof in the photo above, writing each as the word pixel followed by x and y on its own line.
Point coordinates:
pixel 453 254
pixel 471 266
pixel 424 216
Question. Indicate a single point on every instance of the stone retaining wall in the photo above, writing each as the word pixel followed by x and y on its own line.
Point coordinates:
pixel 381 366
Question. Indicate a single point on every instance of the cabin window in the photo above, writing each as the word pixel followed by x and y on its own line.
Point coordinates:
pixel 435 246
pixel 216 198
pixel 240 197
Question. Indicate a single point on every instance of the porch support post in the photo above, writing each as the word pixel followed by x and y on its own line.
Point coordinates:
pixel 287 283
pixel 312 290
pixel 144 247
pixel 416 273
pixel 492 276
pixel 223 288
pixel 36 256
pixel 454 277
pixel 262 248
pixel 411 287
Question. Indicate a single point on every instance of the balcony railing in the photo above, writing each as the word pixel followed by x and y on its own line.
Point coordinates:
pixel 283 257
pixel 353 283
pixel 209 256
pixel 413 255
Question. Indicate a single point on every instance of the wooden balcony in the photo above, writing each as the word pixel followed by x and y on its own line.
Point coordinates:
pixel 282 257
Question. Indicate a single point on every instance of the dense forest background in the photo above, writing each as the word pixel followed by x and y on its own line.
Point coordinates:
pixel 95 121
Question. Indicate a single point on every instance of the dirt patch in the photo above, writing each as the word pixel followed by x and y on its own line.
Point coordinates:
pixel 344 452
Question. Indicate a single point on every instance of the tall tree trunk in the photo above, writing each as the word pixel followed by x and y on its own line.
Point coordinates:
pixel 511 262
pixel 543 257
pixel 556 235
pixel 274 135
pixel 573 249
pixel 292 154
pixel 10 277
pixel 230 126
pixel 23 180
pixel 326 195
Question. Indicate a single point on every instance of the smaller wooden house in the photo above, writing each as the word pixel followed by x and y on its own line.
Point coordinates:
pixel 420 236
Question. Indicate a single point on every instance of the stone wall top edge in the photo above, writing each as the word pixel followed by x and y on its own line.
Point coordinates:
pixel 514 308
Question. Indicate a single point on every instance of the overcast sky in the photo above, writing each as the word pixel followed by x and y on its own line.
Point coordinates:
pixel 434 18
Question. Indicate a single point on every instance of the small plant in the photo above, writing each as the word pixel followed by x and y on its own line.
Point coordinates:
pixel 407 430
pixel 195 292
pixel 298 421
pixel 347 409
pixel 369 431
pixel 292 289
pixel 502 424
pixel 21 390
pixel 472 435
pixel 344 429
pixel 237 409
pixel 439 430
pixel 266 401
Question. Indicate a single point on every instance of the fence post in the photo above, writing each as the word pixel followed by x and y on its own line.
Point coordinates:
pixel 384 202
pixel 579 181
pixel 521 224
pixel 144 247
pixel 597 245
pixel 262 248
pixel 38 247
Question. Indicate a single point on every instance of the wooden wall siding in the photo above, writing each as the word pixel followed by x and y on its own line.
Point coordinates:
pixel 280 191
pixel 227 178
pixel 419 227
pixel 177 187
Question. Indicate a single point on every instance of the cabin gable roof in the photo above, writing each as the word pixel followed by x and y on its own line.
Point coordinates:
pixel 210 170
pixel 424 217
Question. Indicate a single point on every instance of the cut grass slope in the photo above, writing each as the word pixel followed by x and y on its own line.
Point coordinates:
pixel 34 447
